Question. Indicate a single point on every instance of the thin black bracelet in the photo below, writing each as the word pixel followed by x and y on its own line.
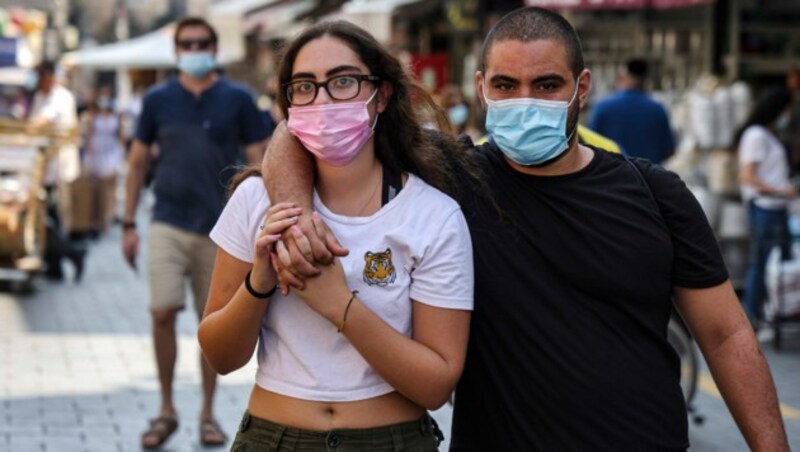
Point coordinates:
pixel 259 295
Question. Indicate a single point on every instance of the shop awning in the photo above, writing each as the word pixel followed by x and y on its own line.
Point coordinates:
pixel 375 17
pixel 277 20
pixel 153 50
pixel 156 49
pixel 616 4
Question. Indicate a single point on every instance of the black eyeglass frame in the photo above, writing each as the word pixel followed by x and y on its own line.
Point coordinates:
pixel 324 84
pixel 191 44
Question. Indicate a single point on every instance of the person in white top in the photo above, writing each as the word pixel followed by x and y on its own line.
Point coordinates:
pixel 355 357
pixel 766 190
pixel 54 105
pixel 103 156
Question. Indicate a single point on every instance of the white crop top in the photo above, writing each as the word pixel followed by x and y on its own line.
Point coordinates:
pixel 415 247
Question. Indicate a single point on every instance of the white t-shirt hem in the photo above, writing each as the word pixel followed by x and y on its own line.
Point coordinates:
pixel 327 395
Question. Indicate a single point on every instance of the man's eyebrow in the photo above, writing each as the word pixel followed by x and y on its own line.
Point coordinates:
pixel 549 78
pixel 503 79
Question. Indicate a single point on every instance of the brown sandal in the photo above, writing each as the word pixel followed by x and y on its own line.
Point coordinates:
pixel 161 428
pixel 211 434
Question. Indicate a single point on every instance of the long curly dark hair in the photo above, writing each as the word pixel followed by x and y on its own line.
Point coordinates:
pixel 401 143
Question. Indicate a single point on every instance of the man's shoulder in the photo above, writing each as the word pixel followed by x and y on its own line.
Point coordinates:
pixel 62 92
pixel 755 132
pixel 608 104
pixel 231 88
pixel 439 202
pixel 164 89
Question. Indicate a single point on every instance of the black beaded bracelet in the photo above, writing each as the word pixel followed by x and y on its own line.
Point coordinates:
pixel 262 296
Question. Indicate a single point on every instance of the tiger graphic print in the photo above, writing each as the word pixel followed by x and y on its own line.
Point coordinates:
pixel 379 269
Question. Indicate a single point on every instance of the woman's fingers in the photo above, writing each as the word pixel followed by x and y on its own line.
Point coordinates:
pixel 279 217
pixel 277 227
pixel 275 208
pixel 299 253
pixel 286 279
pixel 264 244
pixel 287 260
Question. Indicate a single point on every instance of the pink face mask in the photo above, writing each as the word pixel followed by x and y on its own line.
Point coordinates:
pixel 335 133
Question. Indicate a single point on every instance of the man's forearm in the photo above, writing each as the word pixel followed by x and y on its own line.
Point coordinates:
pixel 137 166
pixel 744 380
pixel 288 170
pixel 724 335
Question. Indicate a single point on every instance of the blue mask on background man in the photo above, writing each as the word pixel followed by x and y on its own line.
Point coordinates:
pixel 458 115
pixel 530 132
pixel 196 64
pixel 31 80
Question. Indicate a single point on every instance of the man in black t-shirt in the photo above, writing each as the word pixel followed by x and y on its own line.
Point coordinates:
pixel 580 256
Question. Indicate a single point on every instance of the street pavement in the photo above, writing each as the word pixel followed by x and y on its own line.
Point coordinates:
pixel 77 371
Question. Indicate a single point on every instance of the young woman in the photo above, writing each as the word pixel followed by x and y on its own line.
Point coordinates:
pixel 766 189
pixel 103 157
pixel 356 358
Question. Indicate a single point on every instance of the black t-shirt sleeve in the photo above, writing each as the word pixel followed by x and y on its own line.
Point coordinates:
pixel 697 260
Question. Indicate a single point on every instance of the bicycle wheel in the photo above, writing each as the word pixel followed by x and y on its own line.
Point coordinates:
pixel 680 340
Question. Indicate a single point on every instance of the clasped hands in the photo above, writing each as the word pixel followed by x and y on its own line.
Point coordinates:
pixel 303 253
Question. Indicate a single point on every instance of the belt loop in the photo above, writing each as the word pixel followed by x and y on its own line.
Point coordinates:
pixel 397 438
pixel 280 434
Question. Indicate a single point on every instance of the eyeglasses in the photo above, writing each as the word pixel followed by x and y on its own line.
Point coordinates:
pixel 189 44
pixel 341 87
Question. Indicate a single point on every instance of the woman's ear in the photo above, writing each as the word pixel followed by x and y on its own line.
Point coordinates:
pixel 385 91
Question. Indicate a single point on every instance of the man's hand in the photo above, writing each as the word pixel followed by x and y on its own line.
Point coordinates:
pixel 130 246
pixel 303 247
pixel 789 193
pixel 320 245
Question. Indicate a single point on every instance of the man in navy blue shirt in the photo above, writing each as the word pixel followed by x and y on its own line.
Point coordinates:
pixel 199 121
pixel 633 119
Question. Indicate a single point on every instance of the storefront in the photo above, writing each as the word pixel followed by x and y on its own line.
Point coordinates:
pixel 764 39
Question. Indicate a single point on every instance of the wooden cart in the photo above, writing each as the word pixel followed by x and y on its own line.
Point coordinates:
pixel 25 150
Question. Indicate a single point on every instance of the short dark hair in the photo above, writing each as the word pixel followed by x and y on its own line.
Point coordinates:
pixel 637 67
pixel 534 24
pixel 195 22
pixel 46 68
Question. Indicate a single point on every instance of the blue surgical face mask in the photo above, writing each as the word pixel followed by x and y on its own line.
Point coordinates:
pixel 104 103
pixel 782 123
pixel 196 64
pixel 530 132
pixel 31 81
pixel 458 115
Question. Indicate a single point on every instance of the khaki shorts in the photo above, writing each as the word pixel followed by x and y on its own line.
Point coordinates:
pixel 176 254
